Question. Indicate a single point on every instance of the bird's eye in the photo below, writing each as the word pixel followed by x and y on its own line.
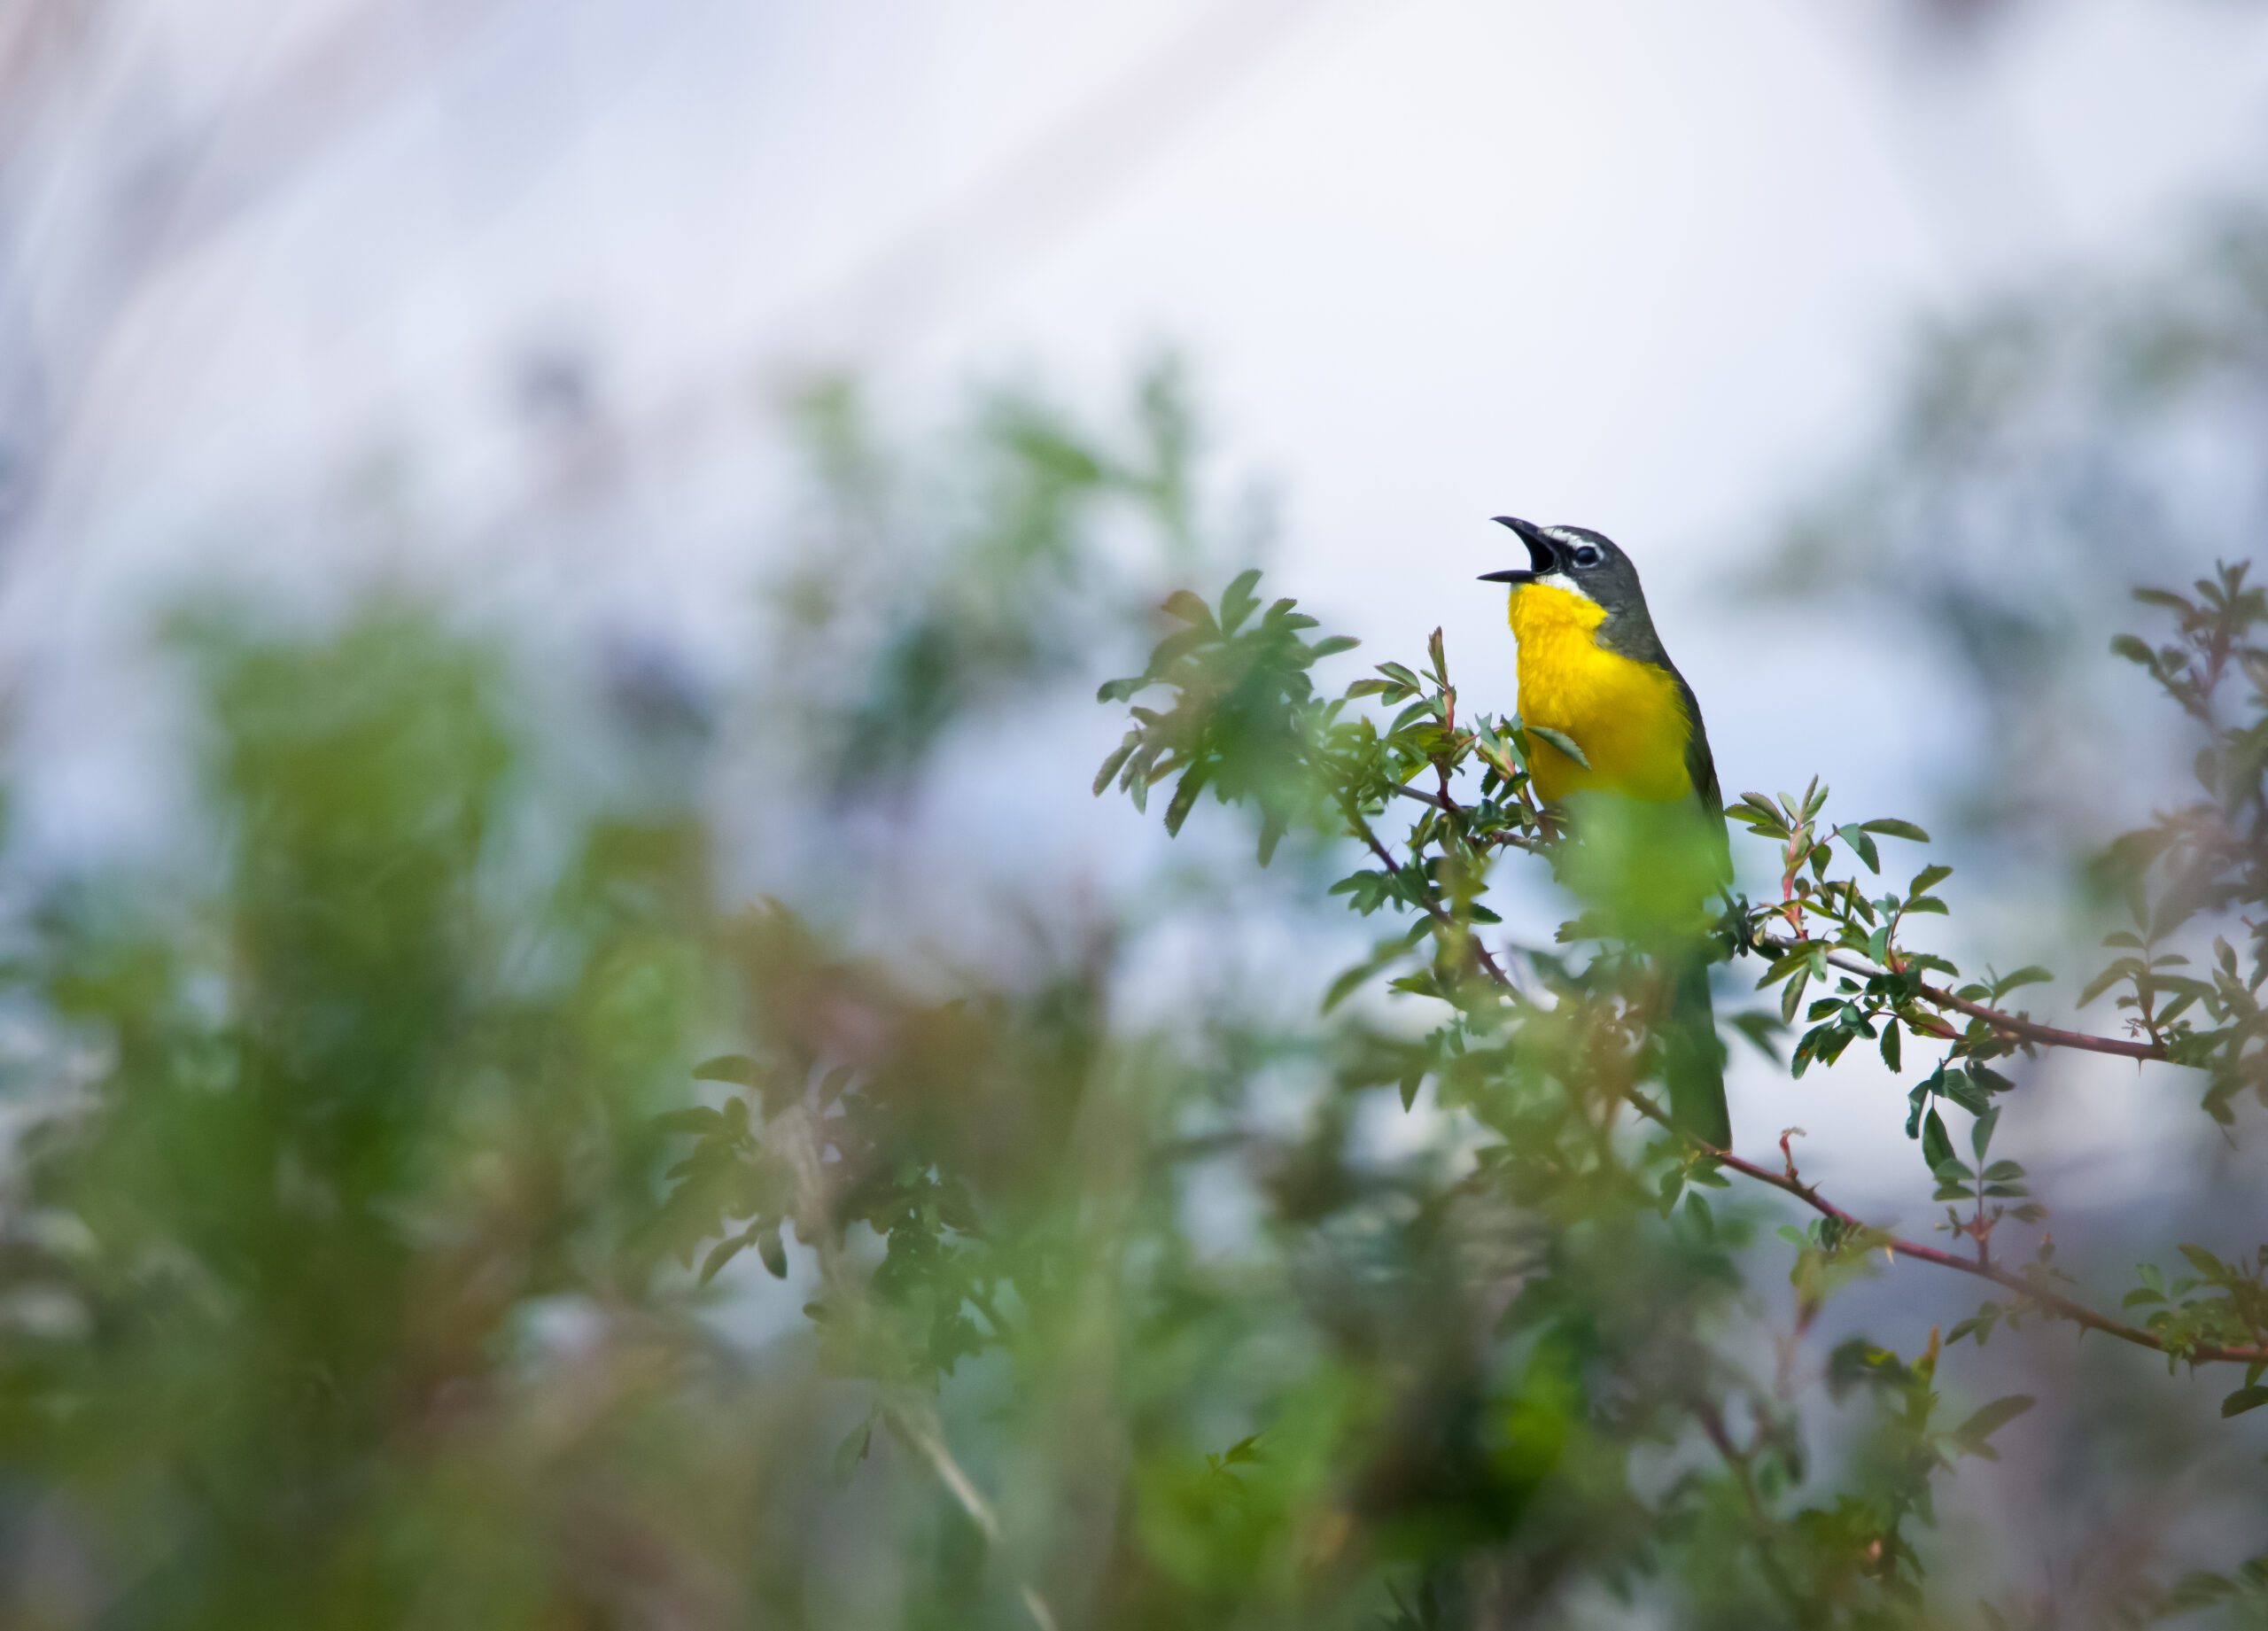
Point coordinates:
pixel 1588 555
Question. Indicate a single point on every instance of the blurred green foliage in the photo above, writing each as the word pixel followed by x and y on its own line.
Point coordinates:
pixel 444 1205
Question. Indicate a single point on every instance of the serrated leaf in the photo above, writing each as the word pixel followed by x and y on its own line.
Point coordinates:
pixel 1937 1143
pixel 1965 1092
pixel 1237 600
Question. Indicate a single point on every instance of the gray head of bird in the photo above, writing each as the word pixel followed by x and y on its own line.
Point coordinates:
pixel 1576 559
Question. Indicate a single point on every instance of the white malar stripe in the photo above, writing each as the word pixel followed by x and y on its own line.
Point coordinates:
pixel 1560 581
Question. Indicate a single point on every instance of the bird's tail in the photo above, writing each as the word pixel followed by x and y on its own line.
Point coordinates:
pixel 1693 1060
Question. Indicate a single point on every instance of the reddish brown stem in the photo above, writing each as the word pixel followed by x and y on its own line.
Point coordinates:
pixel 2015 1025
pixel 1385 858
pixel 2055 1302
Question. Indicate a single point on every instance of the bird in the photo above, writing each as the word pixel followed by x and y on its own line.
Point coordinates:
pixel 1593 673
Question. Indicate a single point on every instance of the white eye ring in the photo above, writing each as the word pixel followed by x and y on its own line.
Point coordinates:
pixel 1588 555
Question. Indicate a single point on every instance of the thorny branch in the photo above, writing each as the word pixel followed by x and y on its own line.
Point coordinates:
pixel 1480 952
pixel 2018 1026
pixel 2055 1302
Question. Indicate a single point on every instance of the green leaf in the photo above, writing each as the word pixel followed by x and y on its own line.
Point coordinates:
pixel 1890 1047
pixel 1346 984
pixel 1891 827
pixel 1927 879
pixel 1993 1417
pixel 2123 968
pixel 1238 600
pixel 2203 1261
pixel 2244 1399
pixel 730 1067
pixel 1332 646
pixel 1272 828
pixel 2031 975
pixel 1183 604
pixel 1561 740
pixel 1857 838
pixel 854 1450
pixel 1110 766
pixel 721 1253
pixel 1965 1092
pixel 1184 797
pixel 1937 1143
pixel 774 1254
pixel 2134 649
pixel 1792 997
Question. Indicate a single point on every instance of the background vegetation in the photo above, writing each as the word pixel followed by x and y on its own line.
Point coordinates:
pixel 399 1232
pixel 545 1130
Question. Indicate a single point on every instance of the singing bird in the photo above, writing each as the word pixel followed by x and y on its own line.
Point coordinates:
pixel 1593 670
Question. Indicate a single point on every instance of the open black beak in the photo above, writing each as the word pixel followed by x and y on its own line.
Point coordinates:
pixel 1542 553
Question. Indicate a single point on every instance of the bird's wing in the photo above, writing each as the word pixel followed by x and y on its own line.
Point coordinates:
pixel 1701 769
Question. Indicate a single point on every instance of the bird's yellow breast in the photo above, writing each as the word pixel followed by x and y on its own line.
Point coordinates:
pixel 1627 717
